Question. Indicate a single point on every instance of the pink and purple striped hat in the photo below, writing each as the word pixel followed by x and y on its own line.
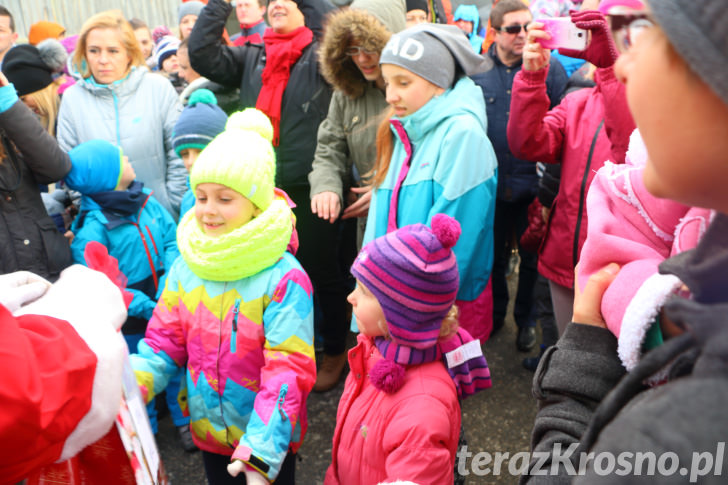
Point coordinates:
pixel 414 275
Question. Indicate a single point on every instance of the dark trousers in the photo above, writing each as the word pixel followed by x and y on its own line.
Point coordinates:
pixel 217 474
pixel 326 252
pixel 512 217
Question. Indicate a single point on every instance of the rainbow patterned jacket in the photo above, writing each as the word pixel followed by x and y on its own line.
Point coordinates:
pixel 247 346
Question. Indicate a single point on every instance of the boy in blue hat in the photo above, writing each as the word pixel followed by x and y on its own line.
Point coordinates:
pixel 117 211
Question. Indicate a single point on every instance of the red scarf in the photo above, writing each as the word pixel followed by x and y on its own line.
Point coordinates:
pixel 282 51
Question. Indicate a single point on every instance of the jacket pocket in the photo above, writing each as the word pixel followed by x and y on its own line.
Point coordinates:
pixel 56 247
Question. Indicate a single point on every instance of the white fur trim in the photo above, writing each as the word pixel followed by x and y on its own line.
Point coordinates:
pixel 93 305
pixel 640 314
pixel 398 482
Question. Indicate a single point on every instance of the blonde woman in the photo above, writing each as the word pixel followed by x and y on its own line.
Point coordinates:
pixel 117 99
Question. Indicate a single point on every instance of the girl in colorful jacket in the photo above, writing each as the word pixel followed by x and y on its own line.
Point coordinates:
pixel 399 415
pixel 433 155
pixel 237 313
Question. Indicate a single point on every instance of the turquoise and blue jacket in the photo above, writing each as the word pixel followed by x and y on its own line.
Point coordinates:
pixel 145 244
pixel 470 13
pixel 247 346
pixel 453 170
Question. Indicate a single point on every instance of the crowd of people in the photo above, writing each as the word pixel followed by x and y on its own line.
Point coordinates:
pixel 351 186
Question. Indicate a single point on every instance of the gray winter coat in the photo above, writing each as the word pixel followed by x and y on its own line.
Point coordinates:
pixel 138 113
pixel 347 136
pixel 683 422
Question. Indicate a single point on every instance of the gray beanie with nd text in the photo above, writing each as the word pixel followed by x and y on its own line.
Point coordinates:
pixel 698 30
pixel 433 51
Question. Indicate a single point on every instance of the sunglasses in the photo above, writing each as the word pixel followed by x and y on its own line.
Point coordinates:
pixel 355 51
pixel 515 29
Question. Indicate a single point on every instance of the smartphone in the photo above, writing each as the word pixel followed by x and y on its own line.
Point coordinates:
pixel 563 34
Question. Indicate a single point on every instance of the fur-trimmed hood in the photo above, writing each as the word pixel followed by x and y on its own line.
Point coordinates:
pixel 371 23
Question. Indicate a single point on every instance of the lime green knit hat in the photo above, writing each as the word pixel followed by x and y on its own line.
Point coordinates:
pixel 241 157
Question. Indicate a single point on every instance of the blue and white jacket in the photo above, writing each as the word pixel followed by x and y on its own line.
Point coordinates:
pixel 453 170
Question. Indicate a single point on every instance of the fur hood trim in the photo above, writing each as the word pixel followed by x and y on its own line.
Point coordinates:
pixel 343 27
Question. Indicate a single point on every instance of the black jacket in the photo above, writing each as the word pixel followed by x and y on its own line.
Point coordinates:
pixel 306 98
pixel 29 239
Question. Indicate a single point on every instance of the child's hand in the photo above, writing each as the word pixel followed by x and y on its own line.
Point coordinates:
pixel 588 303
pixel 3 80
pixel 360 208
pixel 252 477
pixel 535 57
pixel 326 205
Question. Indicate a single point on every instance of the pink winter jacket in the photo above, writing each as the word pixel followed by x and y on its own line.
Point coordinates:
pixel 409 435
pixel 631 227
pixel 572 134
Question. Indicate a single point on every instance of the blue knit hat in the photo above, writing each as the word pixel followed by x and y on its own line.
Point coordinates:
pixel 96 166
pixel 200 122
pixel 165 47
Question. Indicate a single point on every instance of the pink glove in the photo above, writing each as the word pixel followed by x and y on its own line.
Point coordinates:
pixel 601 51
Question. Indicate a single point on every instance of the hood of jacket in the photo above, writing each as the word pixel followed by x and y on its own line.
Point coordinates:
pixel 368 22
pixel 469 13
pixel 463 98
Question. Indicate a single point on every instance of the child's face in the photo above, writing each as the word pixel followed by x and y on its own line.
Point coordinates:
pixel 189 155
pixel 127 174
pixel 220 209
pixel 407 92
pixel 414 17
pixel 170 65
pixel 369 315
pixel 682 122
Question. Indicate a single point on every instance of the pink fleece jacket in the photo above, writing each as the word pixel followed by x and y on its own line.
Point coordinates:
pixel 631 227
pixel 409 435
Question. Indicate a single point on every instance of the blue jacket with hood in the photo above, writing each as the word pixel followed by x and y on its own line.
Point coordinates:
pixel 144 242
pixel 453 170
pixel 469 13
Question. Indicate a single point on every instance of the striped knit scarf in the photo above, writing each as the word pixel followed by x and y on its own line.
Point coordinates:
pixel 461 355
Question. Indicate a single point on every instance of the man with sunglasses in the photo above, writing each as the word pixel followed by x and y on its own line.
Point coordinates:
pixel 517 179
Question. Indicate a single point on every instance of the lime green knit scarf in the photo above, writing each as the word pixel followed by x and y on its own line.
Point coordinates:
pixel 240 253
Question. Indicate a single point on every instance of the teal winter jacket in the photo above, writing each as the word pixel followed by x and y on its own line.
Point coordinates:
pixel 453 170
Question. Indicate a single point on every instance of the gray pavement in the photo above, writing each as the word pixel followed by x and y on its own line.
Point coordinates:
pixel 495 420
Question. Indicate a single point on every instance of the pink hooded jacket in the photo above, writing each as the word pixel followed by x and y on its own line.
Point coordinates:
pixel 411 434
pixel 631 227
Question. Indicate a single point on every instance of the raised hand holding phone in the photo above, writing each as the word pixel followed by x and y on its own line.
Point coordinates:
pixel 601 51
pixel 563 34
pixel 535 56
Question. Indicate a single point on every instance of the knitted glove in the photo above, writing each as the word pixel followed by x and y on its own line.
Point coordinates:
pixel 601 51
pixel 20 288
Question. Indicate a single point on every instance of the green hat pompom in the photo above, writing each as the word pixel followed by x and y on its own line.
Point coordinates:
pixel 251 119
pixel 202 96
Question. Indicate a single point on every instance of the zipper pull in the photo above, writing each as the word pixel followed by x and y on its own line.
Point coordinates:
pixel 236 312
